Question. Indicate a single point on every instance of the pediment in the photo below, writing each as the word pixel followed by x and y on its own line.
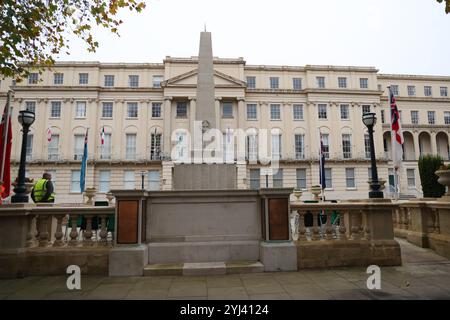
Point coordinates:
pixel 189 79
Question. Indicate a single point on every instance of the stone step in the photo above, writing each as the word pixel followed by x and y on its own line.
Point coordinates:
pixel 203 268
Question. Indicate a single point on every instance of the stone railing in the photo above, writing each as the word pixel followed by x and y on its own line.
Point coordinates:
pixel 57 226
pixel 425 223
pixel 353 233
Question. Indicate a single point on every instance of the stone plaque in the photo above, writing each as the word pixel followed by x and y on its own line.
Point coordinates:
pixel 278 219
pixel 127 221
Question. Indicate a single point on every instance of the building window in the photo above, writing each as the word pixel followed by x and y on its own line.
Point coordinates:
pixel 394 89
pixel 181 109
pixel 278 179
pixel 342 82
pixel 383 120
pixel 276 146
pixel 431 117
pixel 156 110
pixel 299 146
pixel 252 113
pixel 75 181
pixel 447 117
pixel 369 174
pixel 130 141
pixel 255 179
pixel 415 117
pixel 80 109
pixel 367 146
pixel 410 174
pixel 345 115
pixel 107 110
pixel 301 179
pixel 132 109
pixel 350 177
pixel 444 91
pixel 297 83
pixel 154 180
pixel 155 146
pixel 78 147
pixel 181 146
pixel 252 147
pixel 33 78
pixel 157 81
pixel 364 83
pixel 53 148
pixel 328 178
pixel 365 109
pixel 322 110
pixel 83 78
pixel 275 112
pixel 251 82
pixel 129 180
pixel 58 78
pixel 29 147
pixel 56 109
pixel 109 81
pixel 346 146
pixel 274 82
pixel 427 91
pixel 326 145
pixel 411 91
pixel 133 81
pixel 320 81
pixel 30 106
pixel 105 180
pixel 227 110
pixel 105 152
pixel 298 111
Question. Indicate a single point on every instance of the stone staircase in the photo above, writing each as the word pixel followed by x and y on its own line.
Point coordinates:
pixel 203 268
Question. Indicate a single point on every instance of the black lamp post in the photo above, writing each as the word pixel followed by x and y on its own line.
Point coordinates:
pixel 142 179
pixel 26 119
pixel 370 119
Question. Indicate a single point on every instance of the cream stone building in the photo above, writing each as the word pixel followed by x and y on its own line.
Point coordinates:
pixel 145 110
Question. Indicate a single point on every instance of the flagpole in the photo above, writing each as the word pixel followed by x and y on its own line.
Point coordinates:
pixel 392 143
pixel 5 133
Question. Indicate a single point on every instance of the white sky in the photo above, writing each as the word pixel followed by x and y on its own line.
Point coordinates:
pixel 396 36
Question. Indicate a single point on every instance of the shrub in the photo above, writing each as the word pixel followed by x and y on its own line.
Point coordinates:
pixel 428 165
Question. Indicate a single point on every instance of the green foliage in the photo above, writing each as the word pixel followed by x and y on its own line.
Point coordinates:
pixel 36 31
pixel 447 5
pixel 428 165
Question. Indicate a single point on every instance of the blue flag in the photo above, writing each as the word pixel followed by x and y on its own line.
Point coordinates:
pixel 83 163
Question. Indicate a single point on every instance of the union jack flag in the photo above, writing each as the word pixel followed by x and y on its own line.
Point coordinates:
pixel 397 134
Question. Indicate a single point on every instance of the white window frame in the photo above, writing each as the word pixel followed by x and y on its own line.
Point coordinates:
pixel 133 80
pixel 297 112
pixel 251 82
pixel 130 146
pixel 55 106
pixel 104 181
pixel 109 80
pixel 342 82
pixel 320 82
pixel 414 117
pixel 346 146
pixel 350 178
pixel 275 110
pixel 301 181
pixel 75 176
pixel 155 112
pixel 83 78
pixel 80 109
pixel 252 114
pixel 105 109
pixel 345 111
pixel 129 180
pixel 322 111
pixel 297 83
pixel 274 83
pixel 157 80
pixel 363 83
pixel 410 179
pixel 153 183
pixel 58 78
pixel 132 110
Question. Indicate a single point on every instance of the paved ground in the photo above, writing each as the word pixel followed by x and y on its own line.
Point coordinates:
pixel 424 275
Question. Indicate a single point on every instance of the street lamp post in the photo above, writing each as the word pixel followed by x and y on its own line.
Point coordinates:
pixel 142 179
pixel 370 119
pixel 26 119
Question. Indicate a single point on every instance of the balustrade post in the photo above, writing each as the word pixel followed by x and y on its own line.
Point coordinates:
pixel 43 230
pixel 315 230
pixel 342 228
pixel 88 232
pixel 104 231
pixel 328 228
pixel 366 228
pixel 355 227
pixel 58 233
pixel 73 230
pixel 301 226
pixel 31 234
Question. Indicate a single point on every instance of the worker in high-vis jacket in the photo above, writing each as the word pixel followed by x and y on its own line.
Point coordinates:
pixel 43 190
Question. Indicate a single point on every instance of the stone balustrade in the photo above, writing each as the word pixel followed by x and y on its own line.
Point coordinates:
pixel 357 233
pixel 425 223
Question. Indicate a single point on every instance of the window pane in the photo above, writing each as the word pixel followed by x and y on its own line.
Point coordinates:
pixel 345 112
pixel 78 147
pixel 56 109
pixel 30 106
pixel 130 146
pixel 132 109
pixel 346 146
pixel 298 111
pixel 274 83
pixel 322 109
pixel 58 78
pixel 364 83
pixel 301 178
pixel 297 83
pixel 275 112
pixel 83 78
pixel 129 180
pixel 109 81
pixel 157 81
pixel 278 179
pixel 53 148
pixel 181 109
pixel 106 147
pixel 251 112
pixel 156 110
pixel 80 111
pixel 251 82
pixel 75 181
pixel 328 178
pixel 227 110
pixel 133 80
pixel 107 110
pixel 350 177
pixel 33 78
pixel 254 179
pixel 155 146
pixel 411 178
pixel 154 180
pixel 320 82
pixel 342 82
pixel 299 146
pixel 105 178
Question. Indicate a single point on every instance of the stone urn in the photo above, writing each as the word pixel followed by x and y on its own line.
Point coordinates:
pixel 444 179
pixel 110 197
pixel 90 194
pixel 298 193
pixel 382 183
pixel 316 191
pixel 28 187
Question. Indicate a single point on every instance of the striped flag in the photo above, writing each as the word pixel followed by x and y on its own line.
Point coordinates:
pixel 5 152
pixel 322 164
pixel 102 136
pixel 83 163
pixel 49 134
pixel 396 133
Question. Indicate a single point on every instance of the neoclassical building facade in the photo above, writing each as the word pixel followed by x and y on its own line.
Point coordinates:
pixel 146 109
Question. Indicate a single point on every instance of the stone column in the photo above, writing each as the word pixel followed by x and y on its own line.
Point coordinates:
pixel 192 119
pixel 241 113
pixel 167 125
pixel 433 143
pixel 416 145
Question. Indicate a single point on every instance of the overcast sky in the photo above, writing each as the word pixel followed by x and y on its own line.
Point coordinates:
pixel 396 36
